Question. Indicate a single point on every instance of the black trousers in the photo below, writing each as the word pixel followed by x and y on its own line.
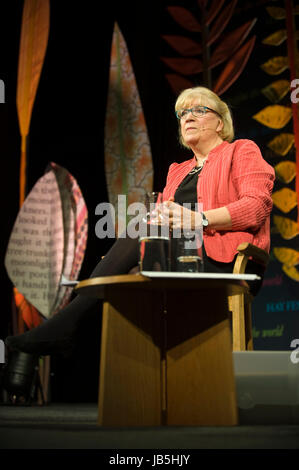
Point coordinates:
pixel 124 255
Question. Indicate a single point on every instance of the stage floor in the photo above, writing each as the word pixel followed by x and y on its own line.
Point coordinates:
pixel 74 426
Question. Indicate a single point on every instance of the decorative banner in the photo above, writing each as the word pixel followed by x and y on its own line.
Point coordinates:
pixel 282 143
pixel 275 65
pixel 274 116
pixel 75 222
pixel 287 228
pixel 285 171
pixel 276 90
pixel 34 257
pixel 128 161
pixel 33 45
pixel 48 240
pixel 28 313
pixel 285 199
pixel 68 214
pixel 197 59
pixel 276 38
pixel 276 308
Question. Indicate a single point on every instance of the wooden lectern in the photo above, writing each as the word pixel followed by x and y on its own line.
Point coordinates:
pixel 166 350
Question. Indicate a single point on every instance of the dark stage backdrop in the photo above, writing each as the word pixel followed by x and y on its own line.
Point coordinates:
pixel 67 127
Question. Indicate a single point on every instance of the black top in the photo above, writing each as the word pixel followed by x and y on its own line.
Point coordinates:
pixel 187 190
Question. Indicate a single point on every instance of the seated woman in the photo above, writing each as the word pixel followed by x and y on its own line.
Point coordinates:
pixel 229 178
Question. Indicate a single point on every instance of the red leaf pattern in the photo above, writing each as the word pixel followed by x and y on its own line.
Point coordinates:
pixel 197 58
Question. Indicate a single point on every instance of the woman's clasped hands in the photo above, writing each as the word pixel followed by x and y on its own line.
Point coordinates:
pixel 176 216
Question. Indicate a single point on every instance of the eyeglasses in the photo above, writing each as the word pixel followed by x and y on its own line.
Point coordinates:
pixel 196 111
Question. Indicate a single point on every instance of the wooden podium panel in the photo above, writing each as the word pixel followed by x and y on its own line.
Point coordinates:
pixel 200 376
pixel 130 369
pixel 166 351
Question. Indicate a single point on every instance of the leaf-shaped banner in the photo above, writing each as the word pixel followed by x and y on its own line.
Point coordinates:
pixel 34 256
pixel 234 67
pixel 230 43
pixel 33 44
pixel 285 199
pixel 286 171
pixel 276 12
pixel 274 116
pixel 190 66
pixel 221 22
pixel 291 272
pixel 75 222
pixel 282 143
pixel 287 228
pixel 183 45
pixel 69 233
pixel 184 18
pixel 178 83
pixel 287 256
pixel 215 7
pixel 128 160
pixel 275 65
pixel 30 314
pixel 276 38
pixel 276 90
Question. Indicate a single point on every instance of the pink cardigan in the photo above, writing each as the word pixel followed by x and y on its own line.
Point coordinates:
pixel 235 176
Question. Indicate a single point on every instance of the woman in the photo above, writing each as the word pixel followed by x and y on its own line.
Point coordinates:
pixel 229 179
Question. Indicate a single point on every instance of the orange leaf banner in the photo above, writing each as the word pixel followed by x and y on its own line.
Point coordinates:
pixel 33 44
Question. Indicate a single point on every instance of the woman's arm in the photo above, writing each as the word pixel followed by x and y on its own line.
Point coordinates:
pixel 180 217
pixel 219 219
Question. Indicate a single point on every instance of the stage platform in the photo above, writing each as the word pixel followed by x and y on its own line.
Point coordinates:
pixel 74 426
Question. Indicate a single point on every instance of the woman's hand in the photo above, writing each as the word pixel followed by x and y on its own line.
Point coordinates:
pixel 177 216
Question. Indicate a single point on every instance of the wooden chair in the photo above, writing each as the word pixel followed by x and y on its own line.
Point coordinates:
pixel 240 305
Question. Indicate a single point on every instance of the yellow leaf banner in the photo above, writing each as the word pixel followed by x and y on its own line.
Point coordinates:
pixel 276 38
pixel 286 171
pixel 274 116
pixel 285 199
pixel 287 228
pixel 293 61
pixel 289 259
pixel 282 143
pixel 276 65
pixel 276 90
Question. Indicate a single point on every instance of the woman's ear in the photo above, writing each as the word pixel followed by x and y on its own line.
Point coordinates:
pixel 220 126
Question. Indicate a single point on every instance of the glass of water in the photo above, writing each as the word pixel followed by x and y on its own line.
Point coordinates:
pixel 188 253
pixel 154 242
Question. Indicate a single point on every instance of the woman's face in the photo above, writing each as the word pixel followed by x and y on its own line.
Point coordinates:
pixel 199 123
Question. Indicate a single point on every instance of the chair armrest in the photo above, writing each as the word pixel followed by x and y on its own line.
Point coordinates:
pixel 258 254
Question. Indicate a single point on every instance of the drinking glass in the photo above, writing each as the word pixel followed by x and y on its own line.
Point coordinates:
pixel 188 253
pixel 154 243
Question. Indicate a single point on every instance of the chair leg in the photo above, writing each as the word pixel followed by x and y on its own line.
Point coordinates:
pixel 248 325
pixel 238 322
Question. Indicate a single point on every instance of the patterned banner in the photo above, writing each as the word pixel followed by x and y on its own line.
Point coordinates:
pixel 47 242
pixel 128 161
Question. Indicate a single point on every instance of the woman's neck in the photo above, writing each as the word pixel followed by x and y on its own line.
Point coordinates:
pixel 202 149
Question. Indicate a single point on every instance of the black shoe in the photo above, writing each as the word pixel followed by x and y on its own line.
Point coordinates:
pixel 24 343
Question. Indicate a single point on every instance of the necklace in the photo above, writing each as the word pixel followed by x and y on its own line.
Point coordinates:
pixel 196 169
